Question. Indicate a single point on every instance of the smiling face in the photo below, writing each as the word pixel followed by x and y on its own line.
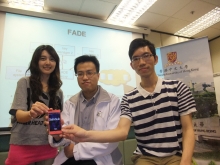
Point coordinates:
pixel 87 82
pixel 144 67
pixel 46 63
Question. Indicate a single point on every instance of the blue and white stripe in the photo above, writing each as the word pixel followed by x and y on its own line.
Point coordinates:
pixel 156 116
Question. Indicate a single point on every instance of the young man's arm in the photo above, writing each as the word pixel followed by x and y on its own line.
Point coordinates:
pixel 188 139
pixel 187 106
pixel 78 134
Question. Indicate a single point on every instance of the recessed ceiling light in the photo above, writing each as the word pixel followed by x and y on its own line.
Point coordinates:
pixel 128 11
pixel 200 24
pixel 27 4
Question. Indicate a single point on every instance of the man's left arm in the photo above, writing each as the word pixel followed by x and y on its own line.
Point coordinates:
pixel 188 139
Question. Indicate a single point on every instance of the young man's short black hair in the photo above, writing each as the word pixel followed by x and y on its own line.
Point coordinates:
pixel 87 58
pixel 138 43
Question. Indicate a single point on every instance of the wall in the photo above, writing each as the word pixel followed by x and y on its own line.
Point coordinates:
pixel 215 57
pixel 160 39
pixel 215 54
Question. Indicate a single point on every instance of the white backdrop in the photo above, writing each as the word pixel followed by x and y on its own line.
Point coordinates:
pixel 22 34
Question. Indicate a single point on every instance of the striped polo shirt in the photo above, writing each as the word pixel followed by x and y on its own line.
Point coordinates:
pixel 156 116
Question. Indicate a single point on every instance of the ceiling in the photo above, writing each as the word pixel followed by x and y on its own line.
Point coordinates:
pixel 167 16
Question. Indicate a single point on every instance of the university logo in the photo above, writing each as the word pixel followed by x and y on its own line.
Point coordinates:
pixel 172 59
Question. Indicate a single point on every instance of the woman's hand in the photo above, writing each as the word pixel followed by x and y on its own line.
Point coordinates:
pixel 38 109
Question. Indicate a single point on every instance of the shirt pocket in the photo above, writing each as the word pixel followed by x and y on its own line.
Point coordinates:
pixel 100 122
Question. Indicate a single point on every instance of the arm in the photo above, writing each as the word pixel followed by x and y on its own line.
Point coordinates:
pixel 76 133
pixel 186 105
pixel 115 135
pixel 91 150
pixel 19 108
pixel 188 139
pixel 119 133
pixel 23 116
pixel 37 109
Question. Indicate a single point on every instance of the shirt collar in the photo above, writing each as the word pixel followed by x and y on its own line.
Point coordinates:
pixel 93 99
pixel 157 89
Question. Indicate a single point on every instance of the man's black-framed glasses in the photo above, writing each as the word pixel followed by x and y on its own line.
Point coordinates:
pixel 88 74
pixel 144 57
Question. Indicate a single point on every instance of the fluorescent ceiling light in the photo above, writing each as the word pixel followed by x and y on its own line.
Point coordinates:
pixel 200 24
pixel 129 11
pixel 27 4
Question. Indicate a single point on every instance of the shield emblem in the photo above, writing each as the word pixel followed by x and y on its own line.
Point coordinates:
pixel 171 57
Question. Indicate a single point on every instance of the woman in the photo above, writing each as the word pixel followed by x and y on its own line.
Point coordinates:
pixel 33 97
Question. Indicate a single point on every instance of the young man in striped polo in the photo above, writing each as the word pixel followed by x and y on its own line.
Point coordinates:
pixel 160 111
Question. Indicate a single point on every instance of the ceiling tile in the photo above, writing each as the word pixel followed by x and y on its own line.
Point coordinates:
pixel 214 2
pixel 168 7
pixel 210 32
pixel 216 26
pixel 167 16
pixel 199 7
pixel 97 9
pixel 64 6
pixel 112 1
pixel 150 20
pixel 172 25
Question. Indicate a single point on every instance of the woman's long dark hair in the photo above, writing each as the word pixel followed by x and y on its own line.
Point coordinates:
pixel 54 82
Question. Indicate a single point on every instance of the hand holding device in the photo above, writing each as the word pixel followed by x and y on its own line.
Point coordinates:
pixel 54 119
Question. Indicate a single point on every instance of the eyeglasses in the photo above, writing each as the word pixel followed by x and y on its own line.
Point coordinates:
pixel 145 57
pixel 88 74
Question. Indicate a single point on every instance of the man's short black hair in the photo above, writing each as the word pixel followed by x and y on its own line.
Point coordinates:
pixel 87 58
pixel 138 43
